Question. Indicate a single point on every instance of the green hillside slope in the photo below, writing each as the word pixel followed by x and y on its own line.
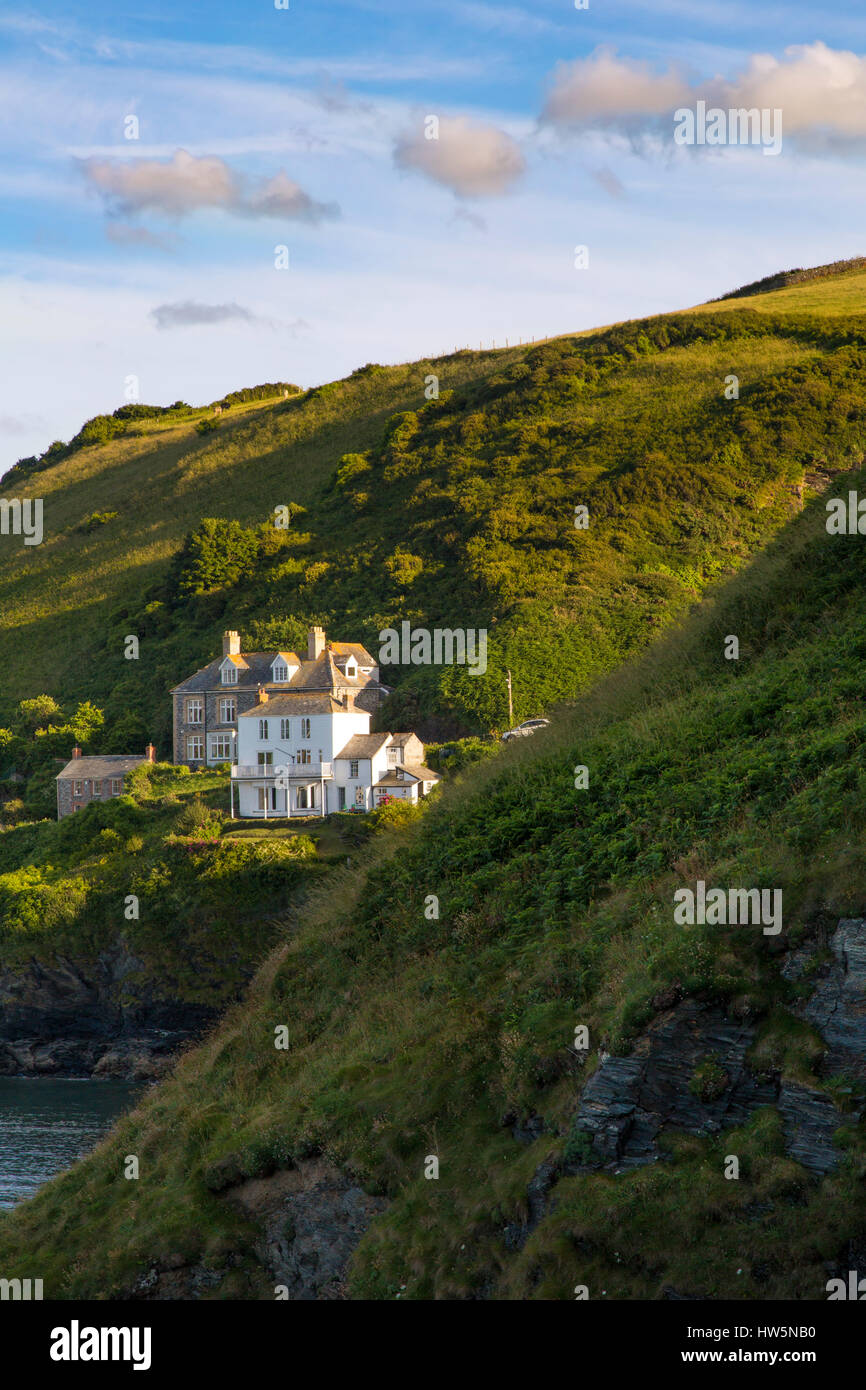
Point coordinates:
pixel 413 1035
pixel 456 511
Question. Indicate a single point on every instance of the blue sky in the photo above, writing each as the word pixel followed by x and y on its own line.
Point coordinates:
pixel 260 127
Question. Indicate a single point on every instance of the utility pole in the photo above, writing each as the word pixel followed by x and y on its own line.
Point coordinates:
pixel 510 704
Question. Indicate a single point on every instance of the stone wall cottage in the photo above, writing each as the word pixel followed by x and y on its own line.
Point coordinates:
pixel 83 780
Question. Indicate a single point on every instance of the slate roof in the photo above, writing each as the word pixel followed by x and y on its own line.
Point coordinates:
pixel 96 769
pixel 254 669
pixel 416 773
pixel 295 702
pixel 362 746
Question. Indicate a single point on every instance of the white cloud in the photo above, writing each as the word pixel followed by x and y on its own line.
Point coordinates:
pixel 187 183
pixel 189 314
pixel 604 90
pixel 472 159
pixel 821 92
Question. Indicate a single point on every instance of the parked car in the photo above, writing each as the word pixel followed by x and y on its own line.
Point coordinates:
pixel 523 730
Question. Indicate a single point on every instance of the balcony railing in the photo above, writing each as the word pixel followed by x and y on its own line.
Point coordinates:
pixel 289 772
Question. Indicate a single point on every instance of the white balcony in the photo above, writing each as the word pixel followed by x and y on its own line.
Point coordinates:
pixel 288 772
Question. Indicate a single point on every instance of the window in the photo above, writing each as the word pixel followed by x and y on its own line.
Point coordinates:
pixel 281 671
pixel 195 710
pixel 221 747
pixel 116 786
pixel 263 729
pixel 228 710
pixel 265 759
pixel 230 674
pixel 305 728
pixel 303 756
pixel 76 789
pixel 351 669
pixel 195 748
pixel 303 798
pixel 285 728
pixel 267 798
pixel 394 756
pixel 353 767
pixel 97 789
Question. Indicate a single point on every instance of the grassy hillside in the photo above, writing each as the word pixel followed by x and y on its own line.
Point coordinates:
pixel 414 1035
pixel 456 511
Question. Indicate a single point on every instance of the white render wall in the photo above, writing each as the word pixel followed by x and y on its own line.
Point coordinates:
pixel 328 734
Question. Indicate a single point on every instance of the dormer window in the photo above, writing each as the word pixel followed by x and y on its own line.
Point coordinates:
pixel 351 668
pixel 230 674
pixel 281 671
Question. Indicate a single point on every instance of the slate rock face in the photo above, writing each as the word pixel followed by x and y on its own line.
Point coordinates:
pixel 629 1100
pixel 311 1219
pixel 811 1119
pixel 837 1008
pixel 92 1018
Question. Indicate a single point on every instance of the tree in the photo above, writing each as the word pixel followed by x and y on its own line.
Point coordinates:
pixel 39 712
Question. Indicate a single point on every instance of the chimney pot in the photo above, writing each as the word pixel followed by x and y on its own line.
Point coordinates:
pixel 315 643
pixel 231 643
pixel 76 752
pixel 263 695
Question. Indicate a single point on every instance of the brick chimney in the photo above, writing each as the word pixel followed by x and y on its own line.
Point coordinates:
pixel 150 753
pixel 315 643
pixel 76 752
pixel 231 644
pixel 263 695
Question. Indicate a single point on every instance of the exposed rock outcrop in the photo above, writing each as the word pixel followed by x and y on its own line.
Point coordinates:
pixel 97 1018
pixel 629 1100
pixel 311 1218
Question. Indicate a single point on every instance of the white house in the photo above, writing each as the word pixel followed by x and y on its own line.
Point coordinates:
pixel 303 752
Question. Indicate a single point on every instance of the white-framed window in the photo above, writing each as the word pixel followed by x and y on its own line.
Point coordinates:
pixel 353 767
pixel 303 756
pixel 195 748
pixel 221 747
pixel 263 730
pixel 264 759
pixel 228 709
pixel 116 786
pixel 195 710
pixel 267 798
pixel 230 674
pixel 305 728
pixel 281 671
pixel 351 668
pixel 285 728
pixel 97 789
pixel 76 789
pixel 394 756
